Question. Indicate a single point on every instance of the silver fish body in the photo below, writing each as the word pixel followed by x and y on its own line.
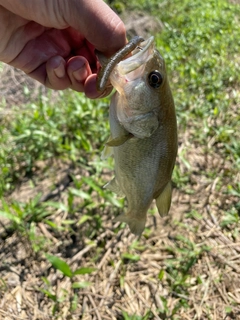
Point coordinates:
pixel 143 134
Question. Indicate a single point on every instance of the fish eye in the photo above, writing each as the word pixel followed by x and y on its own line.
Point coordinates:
pixel 155 79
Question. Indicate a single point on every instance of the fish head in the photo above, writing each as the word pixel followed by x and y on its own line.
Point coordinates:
pixel 143 89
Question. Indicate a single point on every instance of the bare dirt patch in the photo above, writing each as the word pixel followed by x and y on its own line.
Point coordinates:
pixel 18 89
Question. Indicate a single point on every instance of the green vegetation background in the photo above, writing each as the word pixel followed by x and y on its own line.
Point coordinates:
pixel 200 43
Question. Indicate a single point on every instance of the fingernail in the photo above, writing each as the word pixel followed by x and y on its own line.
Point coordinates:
pixel 81 74
pixel 60 70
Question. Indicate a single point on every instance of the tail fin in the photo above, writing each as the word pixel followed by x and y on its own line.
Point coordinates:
pixel 136 225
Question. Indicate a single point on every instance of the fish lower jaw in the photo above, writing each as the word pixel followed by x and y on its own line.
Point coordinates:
pixel 135 224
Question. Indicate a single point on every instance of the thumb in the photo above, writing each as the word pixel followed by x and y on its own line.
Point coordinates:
pixel 99 24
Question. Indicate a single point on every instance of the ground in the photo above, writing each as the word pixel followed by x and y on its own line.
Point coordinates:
pixel 185 266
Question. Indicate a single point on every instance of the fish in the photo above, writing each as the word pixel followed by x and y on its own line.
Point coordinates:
pixel 143 128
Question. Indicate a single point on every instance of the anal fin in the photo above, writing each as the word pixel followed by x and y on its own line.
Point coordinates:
pixel 163 201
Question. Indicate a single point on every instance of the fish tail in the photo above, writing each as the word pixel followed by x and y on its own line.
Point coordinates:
pixel 136 225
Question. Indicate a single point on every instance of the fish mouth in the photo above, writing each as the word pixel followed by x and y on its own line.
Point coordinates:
pixel 128 69
pixel 138 59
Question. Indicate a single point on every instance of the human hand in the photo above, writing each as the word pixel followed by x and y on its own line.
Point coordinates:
pixel 53 41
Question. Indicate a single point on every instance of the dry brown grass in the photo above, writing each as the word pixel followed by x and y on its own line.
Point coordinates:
pixel 210 288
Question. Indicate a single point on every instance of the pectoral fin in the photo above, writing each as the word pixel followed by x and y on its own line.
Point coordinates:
pixel 108 149
pixel 107 152
pixel 164 200
pixel 114 187
pixel 119 140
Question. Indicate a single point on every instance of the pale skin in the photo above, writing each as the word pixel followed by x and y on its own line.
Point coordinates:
pixel 53 41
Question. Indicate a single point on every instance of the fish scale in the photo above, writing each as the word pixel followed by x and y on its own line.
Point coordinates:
pixel 143 134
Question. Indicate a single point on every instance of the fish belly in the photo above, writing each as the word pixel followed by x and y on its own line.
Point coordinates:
pixel 143 168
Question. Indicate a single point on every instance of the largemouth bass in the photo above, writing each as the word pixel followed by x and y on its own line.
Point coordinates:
pixel 143 130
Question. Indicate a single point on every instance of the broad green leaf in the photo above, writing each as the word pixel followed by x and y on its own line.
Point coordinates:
pixel 60 264
pixel 161 275
pixel 84 271
pixel 84 219
pixel 57 205
pixel 80 193
pixel 132 257
pixel 81 285
pixel 10 216
pixel 49 294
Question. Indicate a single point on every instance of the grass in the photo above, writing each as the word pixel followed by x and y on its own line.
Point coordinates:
pixel 61 255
